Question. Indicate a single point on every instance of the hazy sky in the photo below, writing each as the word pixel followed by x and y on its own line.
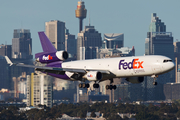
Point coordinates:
pixel 131 17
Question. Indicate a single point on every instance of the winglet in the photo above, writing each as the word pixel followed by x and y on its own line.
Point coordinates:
pixel 8 61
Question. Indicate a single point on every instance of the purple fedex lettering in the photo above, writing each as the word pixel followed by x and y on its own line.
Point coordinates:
pixel 126 65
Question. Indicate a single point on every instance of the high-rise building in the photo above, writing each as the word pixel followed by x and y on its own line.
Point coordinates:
pixel 171 91
pixel 70 45
pixel 55 31
pixel 5 81
pixel 22 44
pixel 91 52
pixel 114 40
pixel 89 37
pixel 21 52
pixel 6 50
pixel 177 61
pixel 156 24
pixel 117 52
pixel 39 90
pixel 158 42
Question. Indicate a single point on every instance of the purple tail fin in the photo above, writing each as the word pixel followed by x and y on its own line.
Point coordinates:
pixel 46 45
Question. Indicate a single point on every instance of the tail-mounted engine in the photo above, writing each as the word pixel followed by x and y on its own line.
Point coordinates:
pixel 135 79
pixel 52 57
pixel 93 75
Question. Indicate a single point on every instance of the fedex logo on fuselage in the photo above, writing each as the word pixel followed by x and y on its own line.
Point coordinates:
pixel 135 64
pixel 47 58
pixel 90 75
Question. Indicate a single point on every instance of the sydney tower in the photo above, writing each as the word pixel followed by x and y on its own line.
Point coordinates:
pixel 81 13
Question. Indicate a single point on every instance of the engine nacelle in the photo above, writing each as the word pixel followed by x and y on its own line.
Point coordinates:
pixel 135 79
pixel 93 76
pixel 52 57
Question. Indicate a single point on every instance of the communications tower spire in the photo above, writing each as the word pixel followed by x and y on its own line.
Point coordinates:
pixel 81 13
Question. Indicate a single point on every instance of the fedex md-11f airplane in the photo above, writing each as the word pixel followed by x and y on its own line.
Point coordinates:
pixel 97 70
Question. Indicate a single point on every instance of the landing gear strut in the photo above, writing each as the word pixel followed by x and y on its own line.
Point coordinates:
pixel 110 86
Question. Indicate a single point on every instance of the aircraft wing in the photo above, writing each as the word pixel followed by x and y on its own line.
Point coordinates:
pixel 55 70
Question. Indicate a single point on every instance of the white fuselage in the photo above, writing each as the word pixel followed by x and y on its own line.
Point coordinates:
pixel 125 66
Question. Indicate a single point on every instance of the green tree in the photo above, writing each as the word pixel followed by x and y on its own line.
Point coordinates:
pixel 81 114
pixel 178 114
pixel 22 116
pixel 31 113
pixel 129 108
pixel 174 108
pixel 114 117
pixel 58 115
pixel 7 115
pixel 40 115
pixel 93 114
pixel 152 108
pixel 146 116
pixel 120 108
pixel 14 109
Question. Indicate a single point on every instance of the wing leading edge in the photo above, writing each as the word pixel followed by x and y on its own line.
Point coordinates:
pixel 56 70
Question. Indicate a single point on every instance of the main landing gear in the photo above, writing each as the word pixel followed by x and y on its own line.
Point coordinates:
pixel 84 85
pixel 110 87
pixel 95 85
pixel 154 76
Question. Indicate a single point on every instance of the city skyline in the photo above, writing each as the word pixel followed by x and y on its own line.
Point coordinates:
pixel 113 17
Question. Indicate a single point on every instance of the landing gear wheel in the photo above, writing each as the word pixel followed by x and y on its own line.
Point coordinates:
pixel 107 87
pixel 80 85
pixel 114 87
pixel 87 85
pixel 154 83
pixel 96 85
pixel 84 85
pixel 110 87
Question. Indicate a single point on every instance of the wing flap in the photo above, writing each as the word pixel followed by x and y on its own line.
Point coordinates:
pixel 51 71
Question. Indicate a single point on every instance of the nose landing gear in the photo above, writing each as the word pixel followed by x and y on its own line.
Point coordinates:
pixel 154 76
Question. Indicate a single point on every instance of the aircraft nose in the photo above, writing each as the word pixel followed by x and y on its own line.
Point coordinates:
pixel 171 65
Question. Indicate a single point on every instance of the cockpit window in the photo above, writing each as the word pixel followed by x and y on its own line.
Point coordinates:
pixel 167 61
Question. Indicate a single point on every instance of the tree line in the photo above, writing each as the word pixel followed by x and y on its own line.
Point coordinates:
pixel 109 110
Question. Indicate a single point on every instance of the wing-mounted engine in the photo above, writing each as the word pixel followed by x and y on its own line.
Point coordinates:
pixel 52 57
pixel 93 76
pixel 135 79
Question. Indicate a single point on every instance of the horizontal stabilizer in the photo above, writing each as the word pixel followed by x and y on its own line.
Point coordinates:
pixel 8 61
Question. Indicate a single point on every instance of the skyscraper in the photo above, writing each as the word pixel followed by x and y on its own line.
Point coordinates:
pixel 158 42
pixel 39 90
pixel 6 50
pixel 22 44
pixel 70 45
pixel 177 60
pixel 89 37
pixel 114 40
pixel 55 31
pixel 21 52
pixel 5 81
